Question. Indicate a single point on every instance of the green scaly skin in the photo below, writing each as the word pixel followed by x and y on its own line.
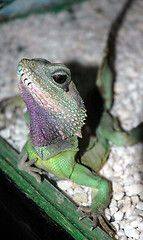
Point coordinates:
pixel 60 161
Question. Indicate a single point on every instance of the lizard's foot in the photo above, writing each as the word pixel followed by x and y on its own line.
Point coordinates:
pixel 26 165
pixel 98 219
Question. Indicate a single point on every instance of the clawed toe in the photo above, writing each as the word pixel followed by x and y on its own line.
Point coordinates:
pixel 27 167
pixel 86 212
pixel 97 219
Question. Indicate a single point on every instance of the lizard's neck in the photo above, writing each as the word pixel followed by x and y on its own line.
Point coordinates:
pixel 42 130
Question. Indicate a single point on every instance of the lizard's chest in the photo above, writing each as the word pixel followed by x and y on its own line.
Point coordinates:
pixel 61 165
pixel 57 158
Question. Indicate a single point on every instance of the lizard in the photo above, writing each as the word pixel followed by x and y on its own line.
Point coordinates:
pixel 55 116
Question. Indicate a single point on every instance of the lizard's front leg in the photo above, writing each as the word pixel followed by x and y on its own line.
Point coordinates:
pixel 26 164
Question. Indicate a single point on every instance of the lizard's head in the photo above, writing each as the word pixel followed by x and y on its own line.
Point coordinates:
pixel 51 87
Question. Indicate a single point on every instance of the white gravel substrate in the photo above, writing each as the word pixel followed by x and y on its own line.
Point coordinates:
pixel 81 36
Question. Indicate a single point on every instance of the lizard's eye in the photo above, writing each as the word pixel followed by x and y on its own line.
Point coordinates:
pixel 33 64
pixel 60 78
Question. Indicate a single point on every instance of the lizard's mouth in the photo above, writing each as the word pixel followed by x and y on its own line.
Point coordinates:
pixel 35 91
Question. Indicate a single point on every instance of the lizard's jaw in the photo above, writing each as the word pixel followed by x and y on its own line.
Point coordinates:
pixel 35 91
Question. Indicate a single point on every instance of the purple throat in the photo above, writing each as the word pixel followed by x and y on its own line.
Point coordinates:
pixel 42 128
